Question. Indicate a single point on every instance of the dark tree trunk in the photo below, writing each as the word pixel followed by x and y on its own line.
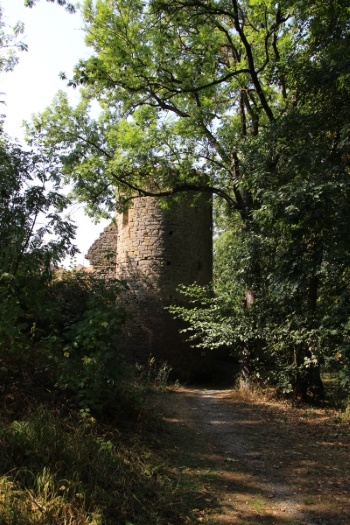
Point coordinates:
pixel 245 361
pixel 308 373
pixel 245 370
pixel 307 377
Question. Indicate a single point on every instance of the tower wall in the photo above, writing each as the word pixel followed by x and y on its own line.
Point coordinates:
pixel 102 254
pixel 160 248
pixel 156 250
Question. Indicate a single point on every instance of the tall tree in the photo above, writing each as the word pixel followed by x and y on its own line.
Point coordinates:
pixel 34 237
pixel 181 85
pixel 33 232
pixel 234 98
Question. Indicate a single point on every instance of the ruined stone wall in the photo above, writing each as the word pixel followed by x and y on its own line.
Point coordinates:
pixel 103 252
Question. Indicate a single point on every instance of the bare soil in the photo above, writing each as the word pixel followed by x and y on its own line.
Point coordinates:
pixel 258 461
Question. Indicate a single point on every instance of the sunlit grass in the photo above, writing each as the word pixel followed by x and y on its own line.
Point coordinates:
pixel 68 472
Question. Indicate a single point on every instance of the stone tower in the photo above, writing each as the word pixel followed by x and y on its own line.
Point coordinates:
pixel 156 250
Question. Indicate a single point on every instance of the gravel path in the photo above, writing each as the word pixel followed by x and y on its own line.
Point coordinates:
pixel 282 459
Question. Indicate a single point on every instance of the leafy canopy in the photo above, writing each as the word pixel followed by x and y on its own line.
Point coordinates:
pixel 67 5
pixel 183 89
pixel 245 100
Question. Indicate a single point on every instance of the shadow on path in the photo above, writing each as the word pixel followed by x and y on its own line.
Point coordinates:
pixel 261 463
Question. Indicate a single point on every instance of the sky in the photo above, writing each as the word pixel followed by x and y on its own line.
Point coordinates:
pixel 55 43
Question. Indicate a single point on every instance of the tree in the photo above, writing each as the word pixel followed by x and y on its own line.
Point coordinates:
pixel 10 44
pixel 180 87
pixel 60 325
pixel 222 97
pixel 34 237
pixel 33 232
pixel 67 5
pixel 304 210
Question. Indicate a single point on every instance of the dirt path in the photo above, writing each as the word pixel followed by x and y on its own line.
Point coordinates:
pixel 260 462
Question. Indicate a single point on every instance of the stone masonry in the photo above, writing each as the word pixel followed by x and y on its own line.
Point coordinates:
pixel 103 252
pixel 155 250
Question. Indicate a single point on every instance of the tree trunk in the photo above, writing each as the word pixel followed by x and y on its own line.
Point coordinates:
pixel 245 371
pixel 245 361
pixel 308 374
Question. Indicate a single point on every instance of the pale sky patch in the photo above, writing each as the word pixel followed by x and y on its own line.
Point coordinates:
pixel 55 44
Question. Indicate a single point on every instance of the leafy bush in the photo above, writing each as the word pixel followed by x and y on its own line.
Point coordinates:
pixel 33 238
pixel 72 336
pixel 63 326
pixel 83 339
pixel 154 374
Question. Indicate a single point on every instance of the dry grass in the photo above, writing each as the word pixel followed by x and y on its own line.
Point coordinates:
pixel 62 467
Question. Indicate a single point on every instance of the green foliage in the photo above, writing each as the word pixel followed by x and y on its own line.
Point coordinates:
pixel 71 8
pixel 154 374
pixel 10 44
pixel 168 78
pixel 82 337
pixel 33 232
pixel 33 238
pixel 292 254
pixel 64 327
pixel 70 332
pixel 248 101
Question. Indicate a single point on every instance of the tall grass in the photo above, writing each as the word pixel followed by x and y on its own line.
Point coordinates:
pixel 67 472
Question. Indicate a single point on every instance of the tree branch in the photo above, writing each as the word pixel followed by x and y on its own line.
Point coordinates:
pixel 252 71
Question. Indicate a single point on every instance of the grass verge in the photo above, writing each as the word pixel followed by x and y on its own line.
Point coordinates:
pixel 61 466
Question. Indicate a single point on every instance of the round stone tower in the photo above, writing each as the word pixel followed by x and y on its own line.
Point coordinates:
pixel 154 250
pixel 157 250
pixel 160 248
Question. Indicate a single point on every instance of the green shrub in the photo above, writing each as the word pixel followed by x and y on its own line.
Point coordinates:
pixel 84 342
pixel 66 327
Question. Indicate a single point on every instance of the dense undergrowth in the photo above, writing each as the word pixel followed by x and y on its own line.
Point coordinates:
pixel 78 436
pixel 61 465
